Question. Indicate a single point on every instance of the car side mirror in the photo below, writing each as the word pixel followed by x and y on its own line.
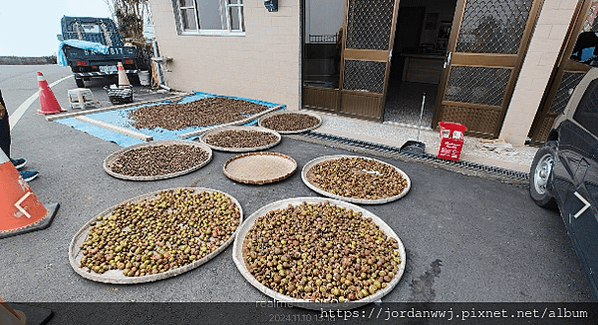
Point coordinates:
pixel 586 49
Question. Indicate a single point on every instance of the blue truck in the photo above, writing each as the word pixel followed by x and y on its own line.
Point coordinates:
pixel 80 40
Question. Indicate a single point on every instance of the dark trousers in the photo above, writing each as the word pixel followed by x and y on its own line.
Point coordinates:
pixel 4 130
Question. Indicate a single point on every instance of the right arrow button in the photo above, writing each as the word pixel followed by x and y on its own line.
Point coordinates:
pixel 584 208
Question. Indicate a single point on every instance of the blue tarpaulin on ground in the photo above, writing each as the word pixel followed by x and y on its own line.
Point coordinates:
pixel 120 118
pixel 84 45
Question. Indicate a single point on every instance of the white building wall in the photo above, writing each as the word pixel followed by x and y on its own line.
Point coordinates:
pixel 264 64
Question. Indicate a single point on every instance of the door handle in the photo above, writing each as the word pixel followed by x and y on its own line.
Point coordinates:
pixel 390 55
pixel 447 62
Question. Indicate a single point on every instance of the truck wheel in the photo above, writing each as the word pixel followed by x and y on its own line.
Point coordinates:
pixel 80 83
pixel 540 175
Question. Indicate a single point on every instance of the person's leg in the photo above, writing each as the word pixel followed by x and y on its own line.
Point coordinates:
pixel 4 128
pixel 5 142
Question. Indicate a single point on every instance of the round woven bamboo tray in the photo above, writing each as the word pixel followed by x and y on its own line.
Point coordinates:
pixel 116 276
pixel 263 118
pixel 313 187
pixel 112 157
pixel 239 128
pixel 246 226
pixel 259 168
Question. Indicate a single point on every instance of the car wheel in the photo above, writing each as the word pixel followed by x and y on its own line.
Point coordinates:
pixel 80 83
pixel 540 175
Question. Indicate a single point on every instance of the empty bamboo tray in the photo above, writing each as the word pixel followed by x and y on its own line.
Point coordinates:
pixel 259 168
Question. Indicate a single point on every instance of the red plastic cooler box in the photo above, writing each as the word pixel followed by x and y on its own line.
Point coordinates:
pixel 451 140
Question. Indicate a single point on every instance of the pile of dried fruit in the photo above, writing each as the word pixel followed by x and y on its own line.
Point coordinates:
pixel 202 112
pixel 320 252
pixel 357 178
pixel 158 160
pixel 165 233
pixel 289 122
pixel 240 139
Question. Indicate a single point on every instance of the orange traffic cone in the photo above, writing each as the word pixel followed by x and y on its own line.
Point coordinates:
pixel 20 210
pixel 10 316
pixel 123 80
pixel 47 100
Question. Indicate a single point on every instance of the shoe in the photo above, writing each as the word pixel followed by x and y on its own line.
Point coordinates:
pixel 29 175
pixel 19 162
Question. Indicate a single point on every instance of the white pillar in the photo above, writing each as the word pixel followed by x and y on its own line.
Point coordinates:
pixel 543 50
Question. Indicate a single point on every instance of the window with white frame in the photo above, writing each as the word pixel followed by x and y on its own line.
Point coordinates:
pixel 210 17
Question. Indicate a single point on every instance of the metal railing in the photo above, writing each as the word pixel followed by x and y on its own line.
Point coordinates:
pixel 322 38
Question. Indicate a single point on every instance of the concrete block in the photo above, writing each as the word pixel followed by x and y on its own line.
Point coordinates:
pixel 532 59
pixel 542 32
pixel 568 4
pixel 283 21
pixel 555 17
pixel 551 4
pixel 558 32
pixel 545 45
pixel 524 82
pixel 548 59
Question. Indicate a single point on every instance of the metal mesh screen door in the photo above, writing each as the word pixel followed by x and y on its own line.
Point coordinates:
pixel 370 26
pixel 484 56
pixel 567 74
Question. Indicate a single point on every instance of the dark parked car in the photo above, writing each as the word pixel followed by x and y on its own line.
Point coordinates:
pixel 564 172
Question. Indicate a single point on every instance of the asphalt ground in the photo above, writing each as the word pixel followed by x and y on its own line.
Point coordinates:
pixel 468 238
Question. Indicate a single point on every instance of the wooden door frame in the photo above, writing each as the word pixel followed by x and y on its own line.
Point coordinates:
pixel 507 61
pixel 366 55
pixel 334 92
pixel 562 65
